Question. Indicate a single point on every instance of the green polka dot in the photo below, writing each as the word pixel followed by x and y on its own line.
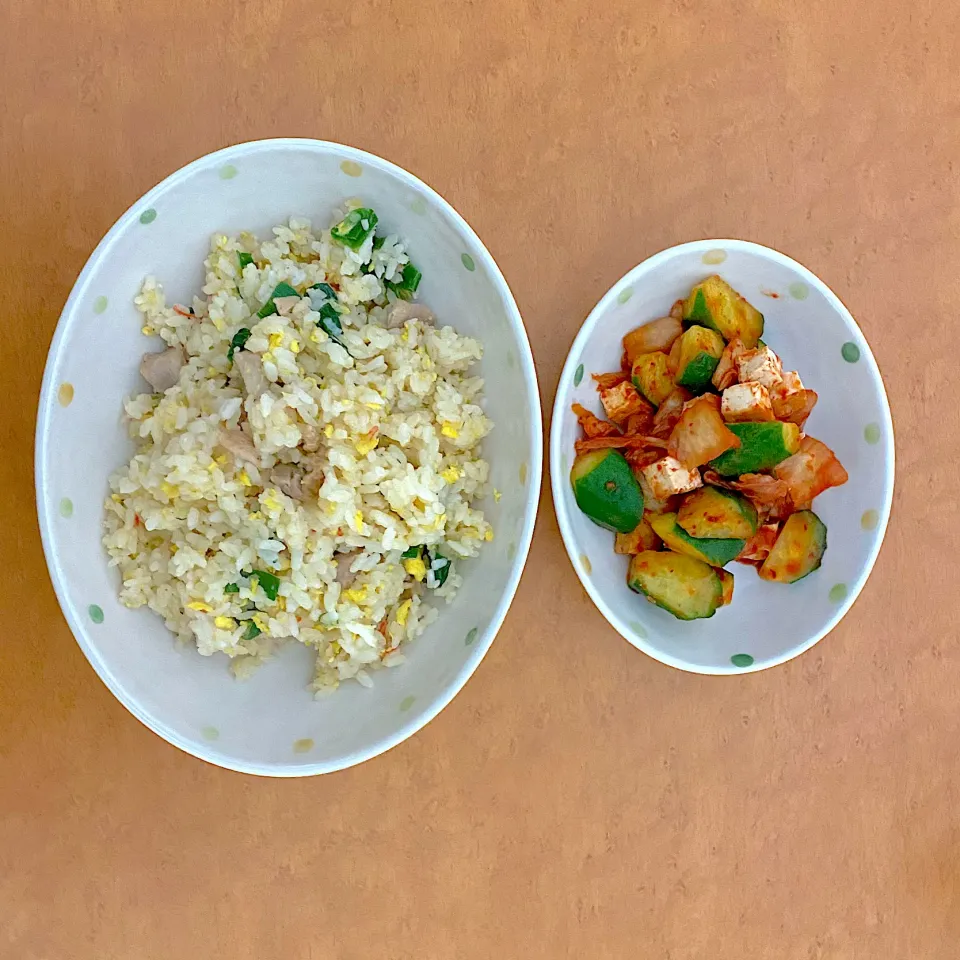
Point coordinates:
pixel 66 508
pixel 511 359
pixel 303 745
pixel 467 261
pixel 799 290
pixel 742 660
pixel 419 206
pixel 624 295
pixel 100 304
pixel 639 629
pixel 578 375
pixel 96 614
pixel 228 172
pixel 838 593
pixel 148 216
pixel 870 519
pixel 564 463
pixel 712 257
pixel 210 733
pixel 511 550
pixel 871 433
pixel 351 168
pixel 406 703
pixel 850 352
pixel 471 636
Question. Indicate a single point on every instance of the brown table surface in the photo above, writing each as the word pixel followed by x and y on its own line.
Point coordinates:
pixel 577 799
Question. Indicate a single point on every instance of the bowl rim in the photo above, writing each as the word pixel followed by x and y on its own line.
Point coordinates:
pixel 558 478
pixel 45 409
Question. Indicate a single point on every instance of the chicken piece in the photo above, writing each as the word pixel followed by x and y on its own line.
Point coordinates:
pixel 251 372
pixel 285 305
pixel 761 365
pixel 811 470
pixel 239 446
pixel 700 433
pixel 344 563
pixel 669 476
pixel 725 374
pixel 403 310
pixel 760 544
pixel 288 479
pixel 623 401
pixel 162 370
pixel 746 401
pixel 310 438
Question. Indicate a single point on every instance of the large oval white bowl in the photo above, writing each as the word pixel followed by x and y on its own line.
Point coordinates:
pixel 812 331
pixel 270 724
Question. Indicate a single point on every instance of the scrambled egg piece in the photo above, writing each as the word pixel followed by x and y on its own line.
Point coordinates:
pixel 356 596
pixel 415 567
pixel 449 430
pixel 403 611
pixel 200 606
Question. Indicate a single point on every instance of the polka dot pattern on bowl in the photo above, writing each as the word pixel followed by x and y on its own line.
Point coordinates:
pixel 850 352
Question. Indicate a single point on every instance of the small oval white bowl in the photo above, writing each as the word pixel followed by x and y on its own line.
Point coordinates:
pixel 812 331
pixel 270 724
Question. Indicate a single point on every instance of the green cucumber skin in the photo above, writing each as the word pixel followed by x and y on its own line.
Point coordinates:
pixel 620 509
pixel 761 448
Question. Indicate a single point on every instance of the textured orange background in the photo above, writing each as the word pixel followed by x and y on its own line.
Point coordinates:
pixel 577 799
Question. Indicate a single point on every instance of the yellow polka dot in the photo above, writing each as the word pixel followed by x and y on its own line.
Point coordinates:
pixel 351 168
pixel 587 565
pixel 713 257
pixel 65 394
pixel 303 745
pixel 523 474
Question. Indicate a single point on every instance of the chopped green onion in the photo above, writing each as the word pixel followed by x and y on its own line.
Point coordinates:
pixel 325 289
pixel 282 289
pixel 411 554
pixel 252 631
pixel 245 259
pixel 232 588
pixel 353 230
pixel 238 342
pixel 441 573
pixel 378 242
pixel 330 321
pixel 407 285
pixel 269 583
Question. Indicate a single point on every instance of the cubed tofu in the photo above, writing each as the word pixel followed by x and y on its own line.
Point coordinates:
pixel 790 384
pixel 761 365
pixel 668 476
pixel 745 402
pixel 622 401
